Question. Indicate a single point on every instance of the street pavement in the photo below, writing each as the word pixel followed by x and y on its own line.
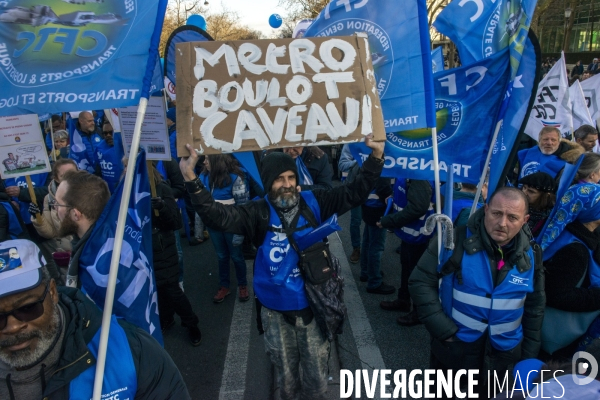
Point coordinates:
pixel 231 363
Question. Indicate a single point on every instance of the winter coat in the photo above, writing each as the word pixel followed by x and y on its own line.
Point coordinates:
pixel 164 249
pixel 318 166
pixel 157 375
pixel 423 287
pixel 566 268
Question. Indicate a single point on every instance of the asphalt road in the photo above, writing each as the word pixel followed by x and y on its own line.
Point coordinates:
pixel 231 363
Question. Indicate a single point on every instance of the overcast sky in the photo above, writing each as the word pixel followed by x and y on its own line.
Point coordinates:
pixel 254 13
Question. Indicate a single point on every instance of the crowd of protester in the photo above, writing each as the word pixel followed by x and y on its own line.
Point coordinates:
pixel 478 318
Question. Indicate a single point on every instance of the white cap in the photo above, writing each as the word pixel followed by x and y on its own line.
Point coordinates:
pixel 20 266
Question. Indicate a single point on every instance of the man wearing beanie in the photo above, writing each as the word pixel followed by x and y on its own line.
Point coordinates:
pixel 292 336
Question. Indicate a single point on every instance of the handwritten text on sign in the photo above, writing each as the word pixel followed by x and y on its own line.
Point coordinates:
pixel 251 95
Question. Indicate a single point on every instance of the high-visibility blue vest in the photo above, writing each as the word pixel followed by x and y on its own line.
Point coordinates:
pixel 374 201
pixel 533 160
pixel 14 225
pixel 413 232
pixel 120 376
pixel 290 295
pixel 566 238
pixel 219 194
pixel 477 306
pixel 38 180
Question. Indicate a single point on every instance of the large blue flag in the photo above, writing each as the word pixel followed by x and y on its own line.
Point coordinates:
pixel 400 50
pixel 183 34
pixel 467 100
pixel 481 28
pixel 74 55
pixel 516 107
pixel 135 292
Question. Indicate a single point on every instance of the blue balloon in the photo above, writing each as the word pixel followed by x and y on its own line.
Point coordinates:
pixel 197 20
pixel 275 21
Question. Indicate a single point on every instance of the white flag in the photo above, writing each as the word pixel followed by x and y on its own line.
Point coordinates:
pixel 552 106
pixel 591 92
pixel 581 114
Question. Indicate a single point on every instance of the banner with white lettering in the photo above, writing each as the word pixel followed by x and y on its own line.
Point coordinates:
pixel 400 50
pixel 74 55
pixel 552 106
pixel 467 101
pixel 581 113
pixel 259 94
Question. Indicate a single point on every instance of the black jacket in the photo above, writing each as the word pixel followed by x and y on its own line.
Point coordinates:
pixel 174 178
pixel 164 249
pixel 252 218
pixel 157 376
pixel 318 166
pixel 383 189
pixel 4 220
pixel 567 267
pixel 418 196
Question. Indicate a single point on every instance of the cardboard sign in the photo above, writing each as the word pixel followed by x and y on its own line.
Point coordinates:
pixel 260 94
pixel 155 133
pixel 22 147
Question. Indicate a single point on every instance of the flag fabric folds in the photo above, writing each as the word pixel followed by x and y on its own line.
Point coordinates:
pixel 400 52
pixel 135 292
pixel 591 92
pixel 467 102
pixel 581 113
pixel 484 27
pixel 72 55
pixel 552 106
pixel 437 60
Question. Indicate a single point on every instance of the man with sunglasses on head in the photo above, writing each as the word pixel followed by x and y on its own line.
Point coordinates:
pixel 49 338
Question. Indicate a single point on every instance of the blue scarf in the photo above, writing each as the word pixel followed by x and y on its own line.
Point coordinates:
pixel 579 203
pixel 303 174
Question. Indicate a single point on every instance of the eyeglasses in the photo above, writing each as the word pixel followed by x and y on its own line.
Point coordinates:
pixel 54 204
pixel 26 313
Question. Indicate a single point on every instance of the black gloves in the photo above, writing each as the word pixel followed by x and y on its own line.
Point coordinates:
pixel 33 209
pixel 157 203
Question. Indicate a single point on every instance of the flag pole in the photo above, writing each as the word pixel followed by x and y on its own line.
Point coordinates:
pixel 485 168
pixel 116 252
pixel 438 196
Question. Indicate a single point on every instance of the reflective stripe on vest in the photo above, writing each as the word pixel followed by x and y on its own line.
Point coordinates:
pixel 478 306
pixel 565 238
pixel 120 376
pixel 413 232
pixel 290 295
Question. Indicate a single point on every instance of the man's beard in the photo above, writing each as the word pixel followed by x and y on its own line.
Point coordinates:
pixel 282 199
pixel 30 356
pixel 67 227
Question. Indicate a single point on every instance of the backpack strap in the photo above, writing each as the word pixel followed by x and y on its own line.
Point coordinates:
pixel 454 264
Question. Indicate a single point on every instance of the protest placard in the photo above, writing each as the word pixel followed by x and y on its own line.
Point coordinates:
pixel 251 95
pixel 155 136
pixel 22 147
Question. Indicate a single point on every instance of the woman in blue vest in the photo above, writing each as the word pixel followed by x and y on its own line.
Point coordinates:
pixel 227 183
pixel 572 262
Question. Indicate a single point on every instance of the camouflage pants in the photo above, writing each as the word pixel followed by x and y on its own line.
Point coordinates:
pixel 300 353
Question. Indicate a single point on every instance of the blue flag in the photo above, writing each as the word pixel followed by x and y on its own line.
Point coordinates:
pixel 183 34
pixel 467 101
pixel 135 292
pixel 74 55
pixel 437 60
pixel 516 108
pixel 481 28
pixel 400 51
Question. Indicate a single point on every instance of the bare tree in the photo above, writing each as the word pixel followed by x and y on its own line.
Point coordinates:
pixel 300 9
pixel 177 14
pixel 226 25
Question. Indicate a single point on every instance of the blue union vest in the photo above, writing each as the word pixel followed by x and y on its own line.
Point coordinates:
pixel 120 378
pixel 477 306
pixel 108 159
pixel 532 160
pixel 566 238
pixel 413 231
pixel 290 295
pixel 38 180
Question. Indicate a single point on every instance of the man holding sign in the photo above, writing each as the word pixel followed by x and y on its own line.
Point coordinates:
pixel 292 336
